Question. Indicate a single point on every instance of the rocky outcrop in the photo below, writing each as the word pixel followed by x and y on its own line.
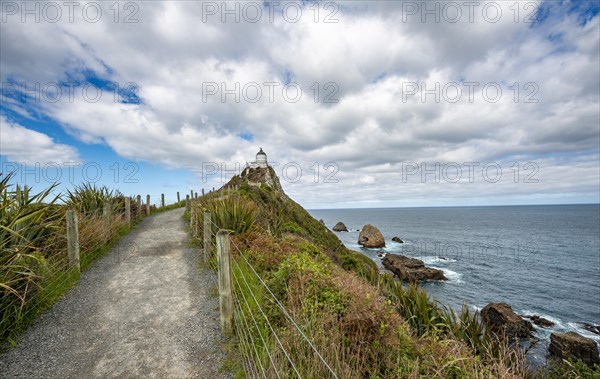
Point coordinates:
pixel 540 321
pixel 397 239
pixel 502 320
pixel 340 227
pixel 261 175
pixel 590 328
pixel 574 346
pixel 371 237
pixel 410 269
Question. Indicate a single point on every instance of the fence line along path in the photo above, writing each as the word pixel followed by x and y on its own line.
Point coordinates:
pixel 142 311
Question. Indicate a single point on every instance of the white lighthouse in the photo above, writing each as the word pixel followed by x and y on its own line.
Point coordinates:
pixel 260 162
pixel 261 159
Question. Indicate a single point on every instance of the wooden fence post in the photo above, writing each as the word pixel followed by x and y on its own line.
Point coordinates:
pixel 196 195
pixel 225 297
pixel 73 240
pixel 178 198
pixel 207 235
pixel 192 229
pixel 139 206
pixel 128 211
pixel 147 205
pixel 187 202
pixel 162 200
pixel 202 191
pixel 106 213
pixel 191 194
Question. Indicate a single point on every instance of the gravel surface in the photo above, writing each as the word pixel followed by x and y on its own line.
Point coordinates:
pixel 142 311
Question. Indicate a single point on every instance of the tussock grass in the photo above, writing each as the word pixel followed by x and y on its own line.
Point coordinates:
pixel 29 224
pixel 227 212
pixel 88 199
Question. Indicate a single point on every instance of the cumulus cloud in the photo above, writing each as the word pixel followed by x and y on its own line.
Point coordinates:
pixel 362 105
pixel 29 147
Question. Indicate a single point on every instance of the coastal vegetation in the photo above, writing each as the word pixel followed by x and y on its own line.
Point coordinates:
pixel 364 323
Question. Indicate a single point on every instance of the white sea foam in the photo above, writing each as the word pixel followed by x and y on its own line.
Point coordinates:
pixel 394 249
pixel 558 323
pixel 559 326
pixel 575 327
pixel 436 260
pixel 453 276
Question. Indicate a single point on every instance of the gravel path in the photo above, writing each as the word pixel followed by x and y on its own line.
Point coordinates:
pixel 142 311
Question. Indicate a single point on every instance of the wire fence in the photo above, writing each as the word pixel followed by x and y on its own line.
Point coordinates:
pixel 41 258
pixel 270 341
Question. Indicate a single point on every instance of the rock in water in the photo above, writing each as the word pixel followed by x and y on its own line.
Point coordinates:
pixel 410 269
pixel 397 239
pixel 500 318
pixel 575 346
pixel 590 328
pixel 371 237
pixel 340 227
pixel 540 321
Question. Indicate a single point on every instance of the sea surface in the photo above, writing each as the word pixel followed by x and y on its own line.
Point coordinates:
pixel 541 259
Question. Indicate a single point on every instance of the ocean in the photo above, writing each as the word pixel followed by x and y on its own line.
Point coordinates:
pixel 541 259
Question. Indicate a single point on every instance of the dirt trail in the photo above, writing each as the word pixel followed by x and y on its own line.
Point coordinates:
pixel 142 311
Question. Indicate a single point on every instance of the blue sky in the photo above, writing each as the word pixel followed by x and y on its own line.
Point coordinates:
pixel 180 98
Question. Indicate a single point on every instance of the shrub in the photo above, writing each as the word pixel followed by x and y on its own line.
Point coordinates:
pixel 292 227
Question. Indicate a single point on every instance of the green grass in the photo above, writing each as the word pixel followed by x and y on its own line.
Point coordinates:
pixel 250 297
pixel 232 364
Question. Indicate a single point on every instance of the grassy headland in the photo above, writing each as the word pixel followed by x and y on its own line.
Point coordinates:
pixel 365 324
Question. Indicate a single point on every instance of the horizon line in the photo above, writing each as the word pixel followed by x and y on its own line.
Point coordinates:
pixel 455 206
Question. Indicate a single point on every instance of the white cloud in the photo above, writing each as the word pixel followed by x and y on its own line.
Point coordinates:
pixel 27 146
pixel 371 54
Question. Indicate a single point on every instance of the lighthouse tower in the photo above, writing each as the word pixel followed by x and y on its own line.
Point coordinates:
pixel 261 159
pixel 260 162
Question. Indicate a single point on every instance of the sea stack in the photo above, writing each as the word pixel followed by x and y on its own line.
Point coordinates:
pixel 340 227
pixel 371 237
